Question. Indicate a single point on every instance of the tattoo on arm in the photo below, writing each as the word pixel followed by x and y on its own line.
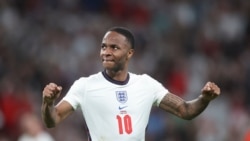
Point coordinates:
pixel 171 103
pixel 181 108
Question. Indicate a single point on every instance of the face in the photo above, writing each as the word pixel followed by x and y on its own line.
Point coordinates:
pixel 115 51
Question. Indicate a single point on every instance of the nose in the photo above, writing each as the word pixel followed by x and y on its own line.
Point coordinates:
pixel 106 51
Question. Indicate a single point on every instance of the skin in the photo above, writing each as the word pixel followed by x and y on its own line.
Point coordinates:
pixel 115 54
pixel 190 109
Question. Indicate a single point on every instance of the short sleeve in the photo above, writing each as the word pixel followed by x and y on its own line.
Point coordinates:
pixel 158 89
pixel 76 93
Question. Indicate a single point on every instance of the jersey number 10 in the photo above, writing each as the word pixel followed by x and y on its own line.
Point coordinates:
pixel 124 124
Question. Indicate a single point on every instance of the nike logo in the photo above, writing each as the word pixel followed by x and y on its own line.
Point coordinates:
pixel 122 107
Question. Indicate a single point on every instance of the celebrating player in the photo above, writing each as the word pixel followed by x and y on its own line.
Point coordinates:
pixel 116 103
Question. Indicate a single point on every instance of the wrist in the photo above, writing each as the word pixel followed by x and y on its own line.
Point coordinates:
pixel 204 99
pixel 48 103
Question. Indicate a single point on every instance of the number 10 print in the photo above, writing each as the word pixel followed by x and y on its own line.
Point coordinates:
pixel 124 124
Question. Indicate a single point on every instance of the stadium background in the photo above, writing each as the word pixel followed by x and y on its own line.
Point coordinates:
pixel 182 43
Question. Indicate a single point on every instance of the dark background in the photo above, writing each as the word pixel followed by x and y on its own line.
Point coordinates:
pixel 181 43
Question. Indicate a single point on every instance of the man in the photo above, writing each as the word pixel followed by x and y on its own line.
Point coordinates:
pixel 116 103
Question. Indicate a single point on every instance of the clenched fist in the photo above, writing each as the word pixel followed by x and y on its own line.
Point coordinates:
pixel 210 91
pixel 51 92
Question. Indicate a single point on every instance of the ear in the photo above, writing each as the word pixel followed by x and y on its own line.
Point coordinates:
pixel 130 53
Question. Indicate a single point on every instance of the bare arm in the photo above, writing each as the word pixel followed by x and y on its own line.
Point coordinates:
pixel 190 109
pixel 51 114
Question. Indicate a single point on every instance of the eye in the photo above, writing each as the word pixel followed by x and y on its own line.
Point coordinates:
pixel 114 47
pixel 103 46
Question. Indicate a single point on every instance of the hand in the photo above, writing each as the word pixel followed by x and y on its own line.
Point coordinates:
pixel 210 91
pixel 51 92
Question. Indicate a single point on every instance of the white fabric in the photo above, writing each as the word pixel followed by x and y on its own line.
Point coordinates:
pixel 40 137
pixel 97 98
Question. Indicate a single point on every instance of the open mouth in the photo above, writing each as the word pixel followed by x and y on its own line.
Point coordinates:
pixel 107 60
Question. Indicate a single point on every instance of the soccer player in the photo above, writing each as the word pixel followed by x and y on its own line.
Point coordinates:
pixel 116 103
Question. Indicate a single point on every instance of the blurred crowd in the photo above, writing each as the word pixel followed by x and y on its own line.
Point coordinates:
pixel 181 43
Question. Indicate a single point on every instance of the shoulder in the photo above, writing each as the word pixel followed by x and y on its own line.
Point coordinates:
pixel 142 76
pixel 88 80
pixel 95 77
pixel 145 78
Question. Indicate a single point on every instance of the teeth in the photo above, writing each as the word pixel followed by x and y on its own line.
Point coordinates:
pixel 106 60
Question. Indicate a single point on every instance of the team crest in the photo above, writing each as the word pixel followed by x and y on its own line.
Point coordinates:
pixel 121 96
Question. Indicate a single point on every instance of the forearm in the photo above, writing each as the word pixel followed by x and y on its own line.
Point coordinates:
pixel 48 114
pixel 191 109
pixel 181 108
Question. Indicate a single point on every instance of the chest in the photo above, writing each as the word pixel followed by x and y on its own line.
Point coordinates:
pixel 118 99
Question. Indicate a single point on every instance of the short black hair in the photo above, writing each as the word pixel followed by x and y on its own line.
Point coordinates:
pixel 125 32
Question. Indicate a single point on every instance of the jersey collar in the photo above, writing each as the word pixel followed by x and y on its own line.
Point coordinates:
pixel 107 77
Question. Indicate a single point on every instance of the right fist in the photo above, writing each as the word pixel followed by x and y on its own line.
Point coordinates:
pixel 51 92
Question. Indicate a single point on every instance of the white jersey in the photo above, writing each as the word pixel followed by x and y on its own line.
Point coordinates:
pixel 114 110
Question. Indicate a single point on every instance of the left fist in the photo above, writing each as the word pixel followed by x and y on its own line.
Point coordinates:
pixel 210 91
